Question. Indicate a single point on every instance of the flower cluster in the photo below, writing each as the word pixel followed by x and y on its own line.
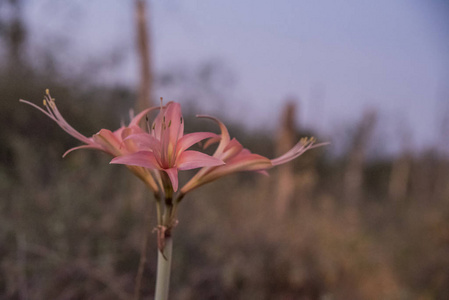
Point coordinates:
pixel 157 154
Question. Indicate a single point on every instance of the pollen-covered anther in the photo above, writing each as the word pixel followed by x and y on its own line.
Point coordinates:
pixel 307 140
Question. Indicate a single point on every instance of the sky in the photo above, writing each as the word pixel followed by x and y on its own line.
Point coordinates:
pixel 337 58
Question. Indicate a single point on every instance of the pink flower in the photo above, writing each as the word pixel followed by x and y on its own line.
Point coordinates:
pixel 113 143
pixel 165 147
pixel 238 159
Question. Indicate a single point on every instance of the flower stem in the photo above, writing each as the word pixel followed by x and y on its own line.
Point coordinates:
pixel 163 270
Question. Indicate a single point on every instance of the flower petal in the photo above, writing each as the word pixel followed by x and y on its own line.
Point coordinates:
pixel 232 149
pixel 135 121
pixel 263 172
pixel 174 122
pixel 211 141
pixel 173 175
pixel 192 138
pixel 247 161
pixel 130 145
pixel 96 147
pixel 168 128
pixel 146 176
pixel 168 124
pixel 225 138
pixel 109 142
pixel 145 141
pixel 144 159
pixel 194 159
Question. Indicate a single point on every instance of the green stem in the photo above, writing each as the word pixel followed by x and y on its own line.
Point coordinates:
pixel 163 270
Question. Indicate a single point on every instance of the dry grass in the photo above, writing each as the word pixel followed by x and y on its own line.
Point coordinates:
pixel 73 228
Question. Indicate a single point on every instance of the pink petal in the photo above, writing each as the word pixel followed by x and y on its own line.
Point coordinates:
pixel 225 138
pixel 247 161
pixel 263 172
pixel 118 133
pixel 244 161
pixel 168 129
pixel 96 147
pixel 135 121
pixel 168 126
pixel 252 164
pixel 192 138
pixel 174 122
pixel 211 141
pixel 127 131
pixel 130 145
pixel 144 159
pixel 232 149
pixel 156 127
pixel 145 141
pixel 109 142
pixel 194 159
pixel 173 175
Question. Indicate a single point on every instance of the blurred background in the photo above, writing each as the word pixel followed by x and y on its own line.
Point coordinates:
pixel 366 217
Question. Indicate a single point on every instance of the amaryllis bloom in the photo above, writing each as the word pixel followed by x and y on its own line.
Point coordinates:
pixel 112 142
pixel 164 148
pixel 238 159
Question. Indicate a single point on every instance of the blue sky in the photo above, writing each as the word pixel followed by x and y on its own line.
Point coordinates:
pixel 338 58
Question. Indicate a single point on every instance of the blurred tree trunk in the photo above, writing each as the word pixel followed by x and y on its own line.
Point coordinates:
pixel 400 172
pixel 399 177
pixel 442 181
pixel 13 33
pixel 423 178
pixel 145 90
pixel 353 177
pixel 143 48
pixel 285 184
